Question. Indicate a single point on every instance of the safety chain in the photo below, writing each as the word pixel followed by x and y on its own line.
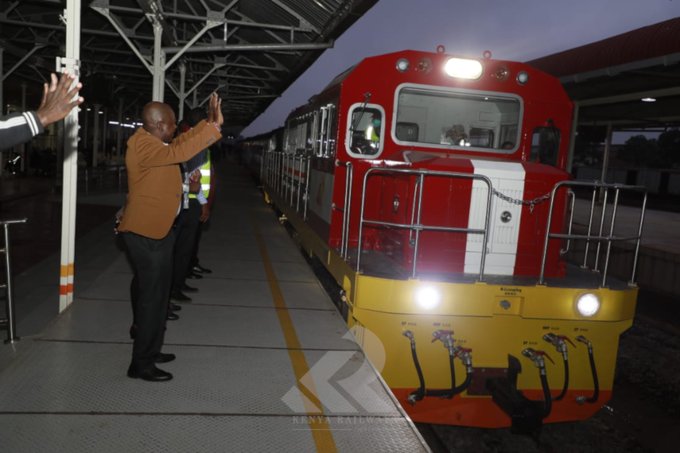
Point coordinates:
pixel 530 203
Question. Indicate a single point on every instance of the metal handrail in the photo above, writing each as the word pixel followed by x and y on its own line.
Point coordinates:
pixel 416 226
pixel 9 299
pixel 347 208
pixel 600 237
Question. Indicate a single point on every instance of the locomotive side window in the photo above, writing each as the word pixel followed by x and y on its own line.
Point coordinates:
pixel 446 118
pixel 365 130
pixel 545 144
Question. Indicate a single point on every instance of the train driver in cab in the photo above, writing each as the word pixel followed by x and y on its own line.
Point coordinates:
pixel 373 131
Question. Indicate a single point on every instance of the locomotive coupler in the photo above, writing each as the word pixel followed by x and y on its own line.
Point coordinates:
pixel 526 415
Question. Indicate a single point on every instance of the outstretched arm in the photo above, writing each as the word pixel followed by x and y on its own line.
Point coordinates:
pixel 58 98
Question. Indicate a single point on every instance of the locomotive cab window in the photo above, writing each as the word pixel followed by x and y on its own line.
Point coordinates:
pixel 545 144
pixel 365 130
pixel 445 118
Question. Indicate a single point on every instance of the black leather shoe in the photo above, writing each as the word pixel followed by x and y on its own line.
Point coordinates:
pixel 174 307
pixel 179 296
pixel 152 374
pixel 194 276
pixel 172 316
pixel 189 289
pixel 164 358
pixel 201 270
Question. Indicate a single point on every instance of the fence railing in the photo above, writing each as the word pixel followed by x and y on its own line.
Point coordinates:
pixel 9 321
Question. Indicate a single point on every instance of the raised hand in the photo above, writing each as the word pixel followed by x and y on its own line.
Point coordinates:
pixel 58 98
pixel 215 110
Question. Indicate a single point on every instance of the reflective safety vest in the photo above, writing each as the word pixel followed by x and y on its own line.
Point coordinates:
pixel 205 178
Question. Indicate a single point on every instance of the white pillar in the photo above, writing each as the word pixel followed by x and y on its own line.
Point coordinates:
pixel 95 137
pixel 158 69
pixel 70 174
pixel 119 131
pixel 23 109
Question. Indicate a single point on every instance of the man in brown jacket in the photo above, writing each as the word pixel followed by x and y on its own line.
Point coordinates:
pixel 154 200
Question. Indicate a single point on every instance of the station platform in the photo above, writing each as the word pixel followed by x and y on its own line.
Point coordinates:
pixel 264 360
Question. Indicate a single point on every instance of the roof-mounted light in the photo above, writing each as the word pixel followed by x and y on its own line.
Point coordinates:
pixel 402 65
pixel 462 68
pixel 522 77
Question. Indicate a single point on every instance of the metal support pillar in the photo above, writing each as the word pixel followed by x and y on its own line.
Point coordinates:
pixel 572 139
pixel 158 69
pixel 23 145
pixel 119 132
pixel 2 83
pixel 70 174
pixel 182 90
pixel 95 137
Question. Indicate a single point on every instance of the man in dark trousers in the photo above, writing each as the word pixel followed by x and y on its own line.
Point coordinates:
pixel 153 202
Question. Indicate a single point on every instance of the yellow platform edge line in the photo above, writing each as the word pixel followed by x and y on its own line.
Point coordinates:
pixel 319 426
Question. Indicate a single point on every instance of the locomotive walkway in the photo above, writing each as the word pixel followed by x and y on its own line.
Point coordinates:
pixel 264 361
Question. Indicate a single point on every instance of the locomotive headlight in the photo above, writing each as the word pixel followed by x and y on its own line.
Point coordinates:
pixel 402 65
pixel 587 304
pixel 463 68
pixel 428 297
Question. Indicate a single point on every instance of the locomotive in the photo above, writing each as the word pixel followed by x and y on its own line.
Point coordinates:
pixel 434 190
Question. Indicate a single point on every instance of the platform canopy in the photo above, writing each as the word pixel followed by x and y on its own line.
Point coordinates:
pixel 248 50
pixel 631 81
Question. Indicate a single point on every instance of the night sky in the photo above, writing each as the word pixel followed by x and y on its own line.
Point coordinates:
pixel 518 30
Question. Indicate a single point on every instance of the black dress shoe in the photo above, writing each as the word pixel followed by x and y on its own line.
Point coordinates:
pixel 194 276
pixel 174 307
pixel 172 316
pixel 164 358
pixel 201 270
pixel 151 373
pixel 189 289
pixel 179 296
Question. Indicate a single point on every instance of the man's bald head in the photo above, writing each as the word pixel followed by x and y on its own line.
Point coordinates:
pixel 158 119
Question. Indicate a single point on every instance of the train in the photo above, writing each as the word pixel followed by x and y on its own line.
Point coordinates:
pixel 434 190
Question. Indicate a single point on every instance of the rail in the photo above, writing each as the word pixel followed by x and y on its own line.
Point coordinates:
pixel 600 237
pixel 9 322
pixel 288 175
pixel 415 226
pixel 346 208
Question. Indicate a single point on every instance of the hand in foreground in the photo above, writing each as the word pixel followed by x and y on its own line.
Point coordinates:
pixel 205 213
pixel 58 100
pixel 215 110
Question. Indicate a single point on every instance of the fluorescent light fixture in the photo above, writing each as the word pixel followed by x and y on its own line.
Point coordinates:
pixel 648 99
pixel 462 68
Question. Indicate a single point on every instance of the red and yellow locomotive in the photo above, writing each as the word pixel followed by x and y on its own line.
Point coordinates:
pixel 434 190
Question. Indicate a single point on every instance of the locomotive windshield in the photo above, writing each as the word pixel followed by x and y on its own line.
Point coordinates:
pixel 457 118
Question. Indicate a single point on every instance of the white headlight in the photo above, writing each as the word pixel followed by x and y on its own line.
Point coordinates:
pixel 463 68
pixel 587 304
pixel 522 77
pixel 427 297
pixel 402 64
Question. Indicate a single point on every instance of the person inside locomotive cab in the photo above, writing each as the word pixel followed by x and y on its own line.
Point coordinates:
pixel 373 131
pixel 365 131
pixel 456 135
